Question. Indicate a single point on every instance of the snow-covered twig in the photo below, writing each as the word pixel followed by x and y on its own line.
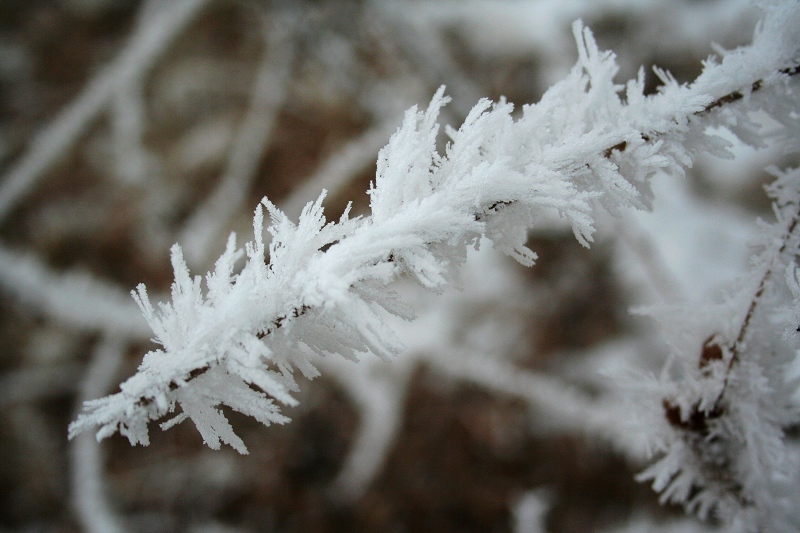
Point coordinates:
pixel 732 392
pixel 588 142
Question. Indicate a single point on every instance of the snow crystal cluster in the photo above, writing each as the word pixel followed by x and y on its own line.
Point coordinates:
pixel 719 412
pixel 717 415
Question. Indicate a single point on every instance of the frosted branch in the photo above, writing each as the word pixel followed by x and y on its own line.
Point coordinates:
pixel 721 440
pixel 589 142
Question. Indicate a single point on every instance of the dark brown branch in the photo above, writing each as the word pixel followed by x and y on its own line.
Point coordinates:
pixel 174 385
pixel 492 209
pixel 759 292
pixel 278 322
pixel 620 147
pixel 696 422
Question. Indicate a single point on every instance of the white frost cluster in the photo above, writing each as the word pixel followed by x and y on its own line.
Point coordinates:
pixel 731 389
pixel 237 337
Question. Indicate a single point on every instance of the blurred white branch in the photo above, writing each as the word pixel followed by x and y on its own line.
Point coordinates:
pixel 341 167
pixel 152 36
pixel 378 390
pixel 133 163
pixel 90 497
pixel 253 135
pixel 31 384
pixel 75 298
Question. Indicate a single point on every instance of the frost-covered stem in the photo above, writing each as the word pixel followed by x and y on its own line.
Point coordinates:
pixel 653 136
pixel 739 344
pixel 151 38
pixel 735 96
pixel 722 101
pixel 323 287
pixel 89 494
pixel 724 443
pixel 761 285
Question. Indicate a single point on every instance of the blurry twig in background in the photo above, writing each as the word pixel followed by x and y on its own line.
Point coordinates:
pixel 90 494
pixel 147 44
pixel 266 98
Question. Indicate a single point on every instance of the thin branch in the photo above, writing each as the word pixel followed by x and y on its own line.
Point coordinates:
pixel 151 38
pixel 560 404
pixel 341 167
pixel 32 384
pixel 735 96
pixel 74 298
pixel 266 99
pixel 738 344
pixel 132 162
pixel 89 494
pixel 378 388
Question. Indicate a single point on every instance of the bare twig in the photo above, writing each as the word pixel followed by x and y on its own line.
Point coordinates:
pixel 739 344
